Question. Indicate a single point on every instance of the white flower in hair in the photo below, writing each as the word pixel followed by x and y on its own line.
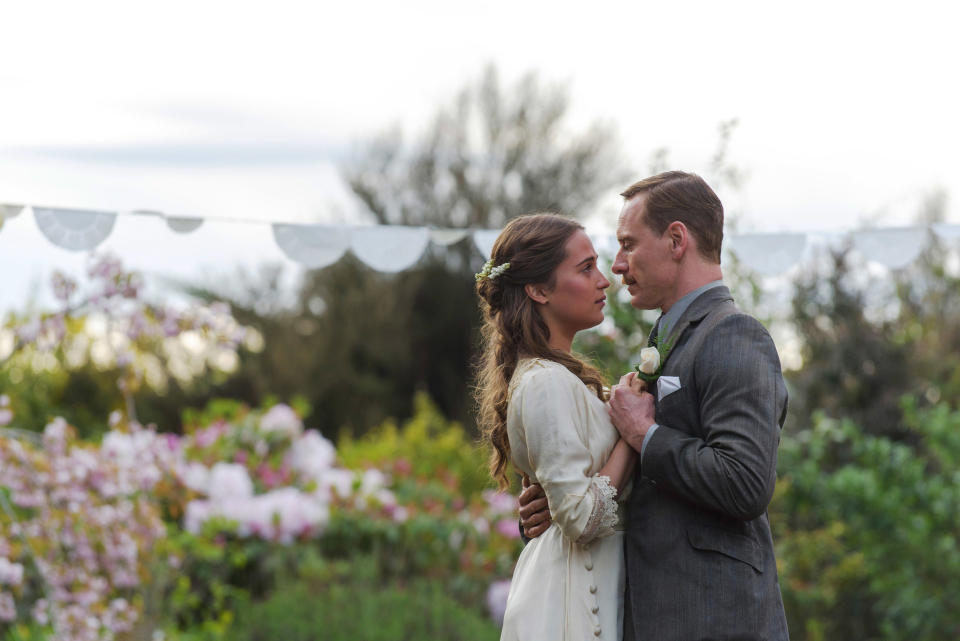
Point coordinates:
pixel 489 272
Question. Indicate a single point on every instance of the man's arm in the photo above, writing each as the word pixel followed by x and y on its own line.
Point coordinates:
pixel 732 469
pixel 534 511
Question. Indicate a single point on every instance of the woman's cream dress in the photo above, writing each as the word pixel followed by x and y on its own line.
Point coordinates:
pixel 568 583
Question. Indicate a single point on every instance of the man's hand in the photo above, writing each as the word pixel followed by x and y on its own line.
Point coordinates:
pixel 631 412
pixel 534 511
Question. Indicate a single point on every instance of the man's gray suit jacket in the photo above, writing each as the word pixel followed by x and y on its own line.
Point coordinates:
pixel 699 554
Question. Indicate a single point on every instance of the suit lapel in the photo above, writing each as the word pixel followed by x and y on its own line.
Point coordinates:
pixel 698 309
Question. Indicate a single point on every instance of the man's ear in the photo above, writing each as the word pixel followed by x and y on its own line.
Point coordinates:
pixel 536 293
pixel 679 237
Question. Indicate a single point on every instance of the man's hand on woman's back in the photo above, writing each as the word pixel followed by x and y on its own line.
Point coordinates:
pixel 534 511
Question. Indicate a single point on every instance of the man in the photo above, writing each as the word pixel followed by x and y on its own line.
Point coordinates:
pixel 698 549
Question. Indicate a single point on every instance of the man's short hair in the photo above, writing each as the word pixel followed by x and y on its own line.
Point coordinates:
pixel 687 198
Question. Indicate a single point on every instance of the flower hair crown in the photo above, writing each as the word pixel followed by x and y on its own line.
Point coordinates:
pixel 489 272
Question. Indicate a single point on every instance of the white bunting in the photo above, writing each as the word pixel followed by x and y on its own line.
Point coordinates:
pixel 893 248
pixel 10 211
pixel 389 248
pixel 315 246
pixel 484 239
pixel 183 225
pixel 446 237
pixel 768 254
pixel 945 231
pixel 74 229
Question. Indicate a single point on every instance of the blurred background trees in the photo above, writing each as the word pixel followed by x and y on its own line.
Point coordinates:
pixel 358 343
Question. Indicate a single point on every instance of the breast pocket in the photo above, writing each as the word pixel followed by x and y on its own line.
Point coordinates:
pixel 677 407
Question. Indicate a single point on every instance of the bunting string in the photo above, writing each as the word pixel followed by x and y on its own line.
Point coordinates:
pixel 393 248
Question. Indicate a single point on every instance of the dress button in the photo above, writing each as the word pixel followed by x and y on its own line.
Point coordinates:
pixel 589 565
pixel 595 609
pixel 593 589
pixel 596 632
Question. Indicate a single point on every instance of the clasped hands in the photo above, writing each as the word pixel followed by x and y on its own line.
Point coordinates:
pixel 631 411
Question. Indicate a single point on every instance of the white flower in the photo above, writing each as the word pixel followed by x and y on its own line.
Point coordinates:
pixel 312 455
pixel 196 476
pixel 10 573
pixel 373 480
pixel 196 515
pixel 338 481
pixel 118 445
pixel 649 360
pixel 229 480
pixel 281 418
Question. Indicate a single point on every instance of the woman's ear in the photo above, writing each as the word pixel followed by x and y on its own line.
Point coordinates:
pixel 536 293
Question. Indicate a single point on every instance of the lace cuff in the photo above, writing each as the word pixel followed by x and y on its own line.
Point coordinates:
pixel 604 517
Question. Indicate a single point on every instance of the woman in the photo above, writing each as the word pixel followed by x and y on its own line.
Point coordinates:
pixel 543 409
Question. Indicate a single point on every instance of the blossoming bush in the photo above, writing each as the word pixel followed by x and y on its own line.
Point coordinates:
pixel 149 532
pixel 78 531
pixel 394 506
pixel 245 494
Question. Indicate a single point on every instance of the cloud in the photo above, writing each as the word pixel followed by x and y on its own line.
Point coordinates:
pixel 225 154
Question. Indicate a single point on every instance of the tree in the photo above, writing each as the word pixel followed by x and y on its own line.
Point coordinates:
pixel 496 152
pixel 358 344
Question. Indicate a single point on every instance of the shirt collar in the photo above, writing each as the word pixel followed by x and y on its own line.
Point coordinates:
pixel 669 320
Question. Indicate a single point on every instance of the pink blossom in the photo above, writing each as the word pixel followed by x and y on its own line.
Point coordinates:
pixel 209 435
pixel 509 528
pixel 41 612
pixel 497 595
pixel 500 502
pixel 5 416
pixel 8 609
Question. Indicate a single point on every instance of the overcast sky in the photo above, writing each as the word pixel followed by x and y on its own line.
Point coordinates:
pixel 847 110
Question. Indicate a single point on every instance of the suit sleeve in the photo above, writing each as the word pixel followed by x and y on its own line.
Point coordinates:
pixel 582 505
pixel 743 399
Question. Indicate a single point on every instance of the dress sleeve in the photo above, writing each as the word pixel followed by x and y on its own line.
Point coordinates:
pixel 582 505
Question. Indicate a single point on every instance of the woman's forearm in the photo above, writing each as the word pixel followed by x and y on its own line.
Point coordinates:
pixel 619 467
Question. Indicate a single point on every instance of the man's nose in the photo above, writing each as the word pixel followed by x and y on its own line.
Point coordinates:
pixel 619 264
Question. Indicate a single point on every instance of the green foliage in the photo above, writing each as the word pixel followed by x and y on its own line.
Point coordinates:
pixel 83 395
pixel 349 601
pixel 867 529
pixel 854 365
pixel 25 632
pixel 433 448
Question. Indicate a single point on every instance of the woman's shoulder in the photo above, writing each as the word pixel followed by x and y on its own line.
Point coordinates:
pixel 543 372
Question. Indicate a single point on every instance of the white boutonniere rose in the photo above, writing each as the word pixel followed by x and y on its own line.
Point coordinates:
pixel 649 360
pixel 652 358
